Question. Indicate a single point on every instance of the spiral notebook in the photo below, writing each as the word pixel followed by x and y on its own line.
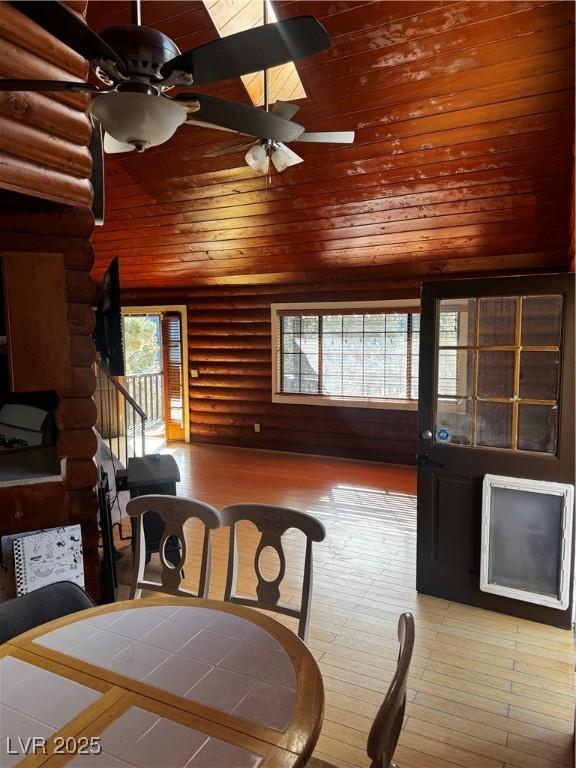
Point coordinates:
pixel 51 555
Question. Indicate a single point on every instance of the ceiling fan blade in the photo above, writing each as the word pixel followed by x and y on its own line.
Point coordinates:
pixel 283 157
pixel 251 51
pixel 328 137
pixel 228 150
pixel 48 85
pixel 242 118
pixel 97 175
pixel 285 109
pixel 201 124
pixel 113 147
pixel 68 27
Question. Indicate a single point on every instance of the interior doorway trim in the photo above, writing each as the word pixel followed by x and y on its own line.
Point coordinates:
pixel 182 309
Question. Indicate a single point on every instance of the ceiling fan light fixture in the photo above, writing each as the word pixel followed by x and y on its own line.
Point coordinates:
pixel 283 157
pixel 139 119
pixel 257 158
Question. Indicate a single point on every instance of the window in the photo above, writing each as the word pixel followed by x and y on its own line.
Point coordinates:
pixel 347 353
pixel 498 377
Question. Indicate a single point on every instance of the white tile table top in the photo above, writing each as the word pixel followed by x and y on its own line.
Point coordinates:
pixel 35 703
pixel 141 739
pixel 209 656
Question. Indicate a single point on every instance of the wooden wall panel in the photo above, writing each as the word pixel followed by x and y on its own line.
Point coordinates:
pixel 464 119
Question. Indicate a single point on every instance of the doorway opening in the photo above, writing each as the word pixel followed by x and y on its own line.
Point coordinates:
pixel 156 370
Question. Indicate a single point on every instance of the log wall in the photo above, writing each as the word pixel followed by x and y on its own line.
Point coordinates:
pixel 29 225
pixel 43 137
pixel 229 343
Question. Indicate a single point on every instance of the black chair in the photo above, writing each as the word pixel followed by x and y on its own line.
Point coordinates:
pixel 38 607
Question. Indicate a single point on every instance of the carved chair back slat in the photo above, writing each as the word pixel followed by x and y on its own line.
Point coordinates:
pixel 174 512
pixel 272 523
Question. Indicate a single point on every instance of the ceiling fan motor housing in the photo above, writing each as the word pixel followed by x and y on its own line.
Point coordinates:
pixel 144 50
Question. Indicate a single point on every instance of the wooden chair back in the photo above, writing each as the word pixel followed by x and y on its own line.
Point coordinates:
pixel 174 512
pixel 387 725
pixel 272 522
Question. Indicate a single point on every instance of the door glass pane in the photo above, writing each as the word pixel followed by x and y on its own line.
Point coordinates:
pixel 498 378
pixel 494 425
pixel 454 422
pixel 455 372
pixel 497 324
pixel 456 322
pixel 539 375
pixel 541 320
pixel 537 426
pixel 495 373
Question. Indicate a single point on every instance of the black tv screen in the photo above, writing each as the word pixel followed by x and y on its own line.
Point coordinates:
pixel 108 331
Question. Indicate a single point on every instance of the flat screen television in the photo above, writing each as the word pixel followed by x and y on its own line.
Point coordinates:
pixel 108 331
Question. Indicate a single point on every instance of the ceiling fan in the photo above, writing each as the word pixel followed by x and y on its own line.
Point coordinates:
pixel 268 149
pixel 137 65
pixel 265 150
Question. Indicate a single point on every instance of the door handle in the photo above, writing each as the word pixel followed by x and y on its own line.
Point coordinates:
pixel 425 459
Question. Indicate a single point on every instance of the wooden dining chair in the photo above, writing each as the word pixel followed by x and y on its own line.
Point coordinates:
pixel 40 606
pixel 387 725
pixel 272 522
pixel 174 512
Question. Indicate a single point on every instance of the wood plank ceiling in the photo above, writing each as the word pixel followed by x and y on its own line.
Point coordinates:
pixel 462 161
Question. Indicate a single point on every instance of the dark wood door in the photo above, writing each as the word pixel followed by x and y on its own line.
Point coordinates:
pixel 496 397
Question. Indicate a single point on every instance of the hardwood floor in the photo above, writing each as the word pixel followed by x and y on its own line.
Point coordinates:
pixel 486 691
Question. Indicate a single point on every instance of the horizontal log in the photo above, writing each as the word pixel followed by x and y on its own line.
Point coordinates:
pixel 337 425
pixel 290 443
pixel 25 177
pixel 81 319
pixel 242 381
pixel 83 383
pixel 28 216
pixel 21 31
pixel 82 350
pixel 81 505
pixel 206 410
pixel 80 474
pixel 218 329
pixel 46 115
pixel 80 287
pixel 78 254
pixel 78 413
pixel 77 443
pixel 34 145
pixel 18 63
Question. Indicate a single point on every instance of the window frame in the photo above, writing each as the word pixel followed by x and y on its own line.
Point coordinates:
pixel 363 307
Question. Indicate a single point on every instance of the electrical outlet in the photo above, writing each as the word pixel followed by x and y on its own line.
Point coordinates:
pixel 193 373
pixel 256 427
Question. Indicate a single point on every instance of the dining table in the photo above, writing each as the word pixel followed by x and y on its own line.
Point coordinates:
pixel 161 682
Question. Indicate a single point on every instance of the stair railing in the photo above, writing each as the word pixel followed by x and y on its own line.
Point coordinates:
pixel 121 421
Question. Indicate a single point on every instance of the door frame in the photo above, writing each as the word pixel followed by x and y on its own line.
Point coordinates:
pixel 156 309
